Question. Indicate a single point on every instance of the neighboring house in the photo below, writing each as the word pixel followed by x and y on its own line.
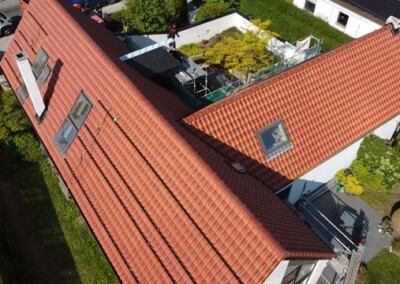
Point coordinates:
pixel 164 205
pixel 354 17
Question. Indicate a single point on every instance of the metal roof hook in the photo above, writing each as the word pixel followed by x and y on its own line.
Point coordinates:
pixel 395 24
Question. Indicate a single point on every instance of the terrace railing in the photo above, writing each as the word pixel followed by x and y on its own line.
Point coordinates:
pixel 275 69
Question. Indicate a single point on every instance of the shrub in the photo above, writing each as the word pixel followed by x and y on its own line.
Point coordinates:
pixel 350 183
pixel 28 147
pixel 212 9
pixel 191 49
pixel 396 221
pixel 372 181
pixel 380 159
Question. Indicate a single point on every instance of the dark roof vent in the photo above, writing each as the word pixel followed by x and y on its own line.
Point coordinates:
pixel 237 166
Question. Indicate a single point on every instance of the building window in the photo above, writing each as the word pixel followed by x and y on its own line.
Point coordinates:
pixel 310 5
pixel 80 110
pixel 274 139
pixel 22 93
pixel 73 123
pixel 342 19
pixel 44 75
pixel 298 272
pixel 39 63
pixel 65 136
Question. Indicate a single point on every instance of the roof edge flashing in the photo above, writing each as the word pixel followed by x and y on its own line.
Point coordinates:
pixel 395 24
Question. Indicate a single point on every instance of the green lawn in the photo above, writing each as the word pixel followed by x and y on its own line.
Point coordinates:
pixel 292 23
pixel 42 236
pixel 384 269
pixel 382 203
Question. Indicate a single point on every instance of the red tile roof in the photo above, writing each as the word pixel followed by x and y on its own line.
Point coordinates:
pixel 164 206
pixel 326 104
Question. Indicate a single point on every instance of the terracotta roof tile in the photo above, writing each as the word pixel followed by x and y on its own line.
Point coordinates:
pixel 326 104
pixel 164 206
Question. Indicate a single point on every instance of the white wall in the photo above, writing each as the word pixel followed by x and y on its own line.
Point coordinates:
pixel 207 30
pixel 277 275
pixel 357 25
pixel 326 171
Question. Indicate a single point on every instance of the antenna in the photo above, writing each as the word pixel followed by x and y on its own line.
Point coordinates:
pixel 30 82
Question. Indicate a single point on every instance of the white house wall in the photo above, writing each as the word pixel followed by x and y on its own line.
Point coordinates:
pixel 279 272
pixel 326 171
pixel 357 25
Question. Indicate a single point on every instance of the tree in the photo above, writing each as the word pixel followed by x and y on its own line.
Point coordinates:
pixel 244 52
pixel 152 15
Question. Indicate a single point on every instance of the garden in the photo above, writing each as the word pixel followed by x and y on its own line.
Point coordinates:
pixel 374 176
pixel 148 16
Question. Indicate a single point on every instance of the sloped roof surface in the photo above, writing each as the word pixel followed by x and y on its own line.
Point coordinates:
pixel 164 206
pixel 326 104
pixel 381 9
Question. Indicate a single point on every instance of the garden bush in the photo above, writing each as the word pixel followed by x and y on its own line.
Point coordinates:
pixel 380 159
pixel 212 9
pixel 396 221
pixel 350 183
pixel 396 244
pixel 372 181
pixel 191 49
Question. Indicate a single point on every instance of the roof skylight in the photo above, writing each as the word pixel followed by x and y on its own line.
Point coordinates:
pixel 274 139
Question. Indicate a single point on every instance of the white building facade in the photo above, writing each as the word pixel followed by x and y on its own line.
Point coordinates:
pixel 324 172
pixel 339 17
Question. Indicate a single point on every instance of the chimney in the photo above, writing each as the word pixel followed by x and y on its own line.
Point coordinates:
pixel 30 82
pixel 395 24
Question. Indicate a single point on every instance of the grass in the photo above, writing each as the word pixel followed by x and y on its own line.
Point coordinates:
pixel 91 264
pixel 382 203
pixel 293 23
pixel 384 269
pixel 42 234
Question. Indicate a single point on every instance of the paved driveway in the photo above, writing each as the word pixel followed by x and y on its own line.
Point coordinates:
pixel 11 8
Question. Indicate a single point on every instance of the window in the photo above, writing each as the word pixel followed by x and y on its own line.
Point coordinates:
pixel 73 123
pixel 65 136
pixel 310 5
pixel 22 93
pixel 274 139
pixel 298 272
pixel 40 62
pixel 80 110
pixel 44 75
pixel 342 19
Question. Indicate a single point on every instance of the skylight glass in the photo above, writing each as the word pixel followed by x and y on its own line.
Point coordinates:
pixel 274 139
pixel 65 136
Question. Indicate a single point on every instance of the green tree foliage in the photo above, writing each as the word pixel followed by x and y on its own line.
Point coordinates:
pixel 16 133
pixel 212 9
pixel 244 52
pixel 152 15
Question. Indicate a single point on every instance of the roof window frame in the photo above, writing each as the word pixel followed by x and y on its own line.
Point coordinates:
pixel 278 132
